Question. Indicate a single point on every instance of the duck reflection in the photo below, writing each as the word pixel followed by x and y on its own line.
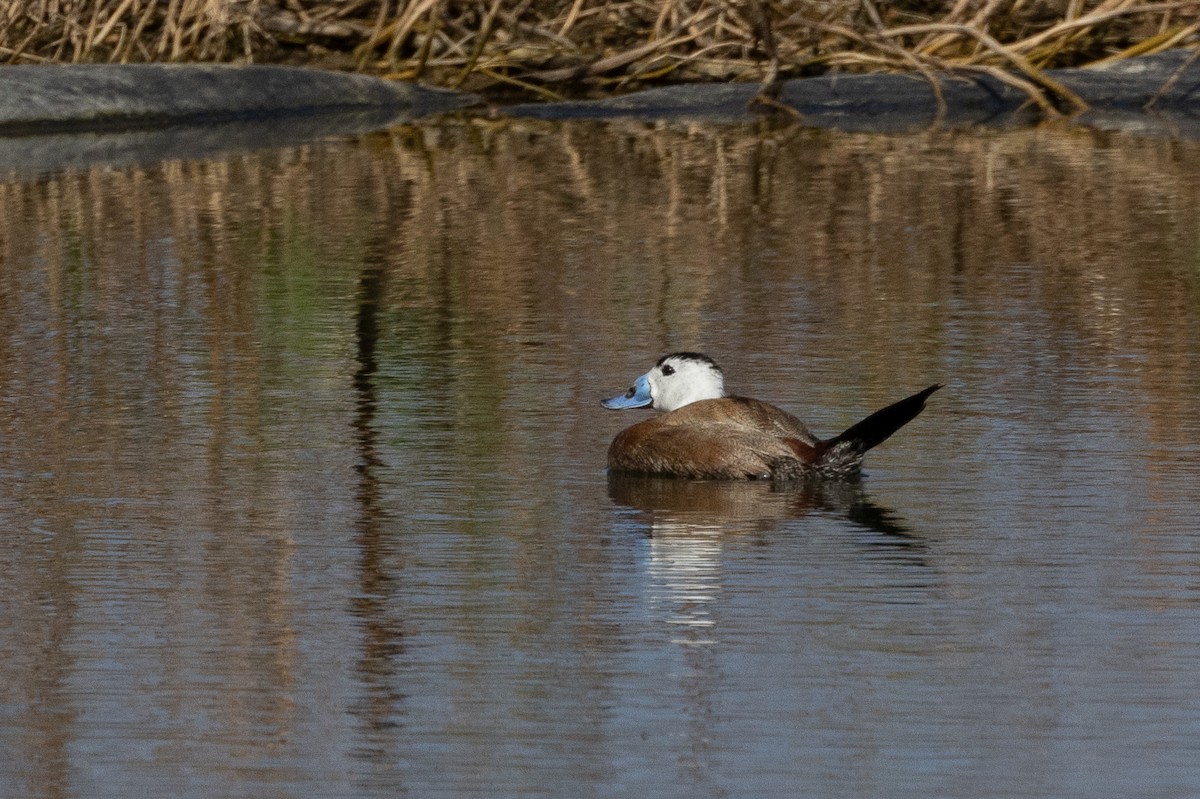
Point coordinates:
pixel 688 521
pixel 686 525
pixel 674 504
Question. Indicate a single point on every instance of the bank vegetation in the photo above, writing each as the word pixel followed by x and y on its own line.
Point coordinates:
pixel 556 47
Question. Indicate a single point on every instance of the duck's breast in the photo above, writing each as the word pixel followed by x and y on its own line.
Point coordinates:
pixel 730 438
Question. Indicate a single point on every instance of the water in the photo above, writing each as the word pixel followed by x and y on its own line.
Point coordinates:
pixel 302 486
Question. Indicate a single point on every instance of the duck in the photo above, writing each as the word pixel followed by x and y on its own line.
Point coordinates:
pixel 705 433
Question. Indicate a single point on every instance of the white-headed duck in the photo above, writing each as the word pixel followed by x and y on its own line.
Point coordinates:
pixel 708 434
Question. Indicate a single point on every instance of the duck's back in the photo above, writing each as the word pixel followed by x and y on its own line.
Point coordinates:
pixel 728 438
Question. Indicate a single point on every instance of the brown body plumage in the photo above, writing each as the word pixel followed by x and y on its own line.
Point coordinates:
pixel 732 438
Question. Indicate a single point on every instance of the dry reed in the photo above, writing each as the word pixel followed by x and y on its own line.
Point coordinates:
pixel 569 45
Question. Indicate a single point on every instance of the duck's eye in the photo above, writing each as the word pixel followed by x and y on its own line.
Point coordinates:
pixel 668 370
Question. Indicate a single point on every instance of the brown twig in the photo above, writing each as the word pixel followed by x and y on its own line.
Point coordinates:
pixel 571 74
pixel 480 42
pixel 1019 61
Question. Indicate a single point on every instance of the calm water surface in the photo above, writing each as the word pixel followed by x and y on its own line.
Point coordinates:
pixel 302 487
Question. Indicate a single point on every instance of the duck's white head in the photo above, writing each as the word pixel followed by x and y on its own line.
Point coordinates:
pixel 676 380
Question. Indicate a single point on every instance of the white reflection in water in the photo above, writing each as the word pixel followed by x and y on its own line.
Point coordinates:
pixel 684 568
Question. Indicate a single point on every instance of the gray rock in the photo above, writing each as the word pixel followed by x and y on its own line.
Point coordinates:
pixel 1116 96
pixel 36 155
pixel 56 117
pixel 1129 85
pixel 112 96
pixel 848 102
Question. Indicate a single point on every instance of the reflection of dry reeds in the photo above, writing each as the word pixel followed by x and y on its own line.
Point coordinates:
pixel 492 241
pixel 486 43
pixel 516 257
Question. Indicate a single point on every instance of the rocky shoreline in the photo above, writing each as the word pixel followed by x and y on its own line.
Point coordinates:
pixel 1156 93
pixel 181 110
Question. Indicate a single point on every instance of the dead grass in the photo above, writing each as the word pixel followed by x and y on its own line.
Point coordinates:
pixel 573 45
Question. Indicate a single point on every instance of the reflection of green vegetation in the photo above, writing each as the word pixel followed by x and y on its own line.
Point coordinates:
pixel 306 293
pixel 76 289
pixel 435 364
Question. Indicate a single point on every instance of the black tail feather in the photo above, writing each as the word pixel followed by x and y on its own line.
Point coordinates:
pixel 879 426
